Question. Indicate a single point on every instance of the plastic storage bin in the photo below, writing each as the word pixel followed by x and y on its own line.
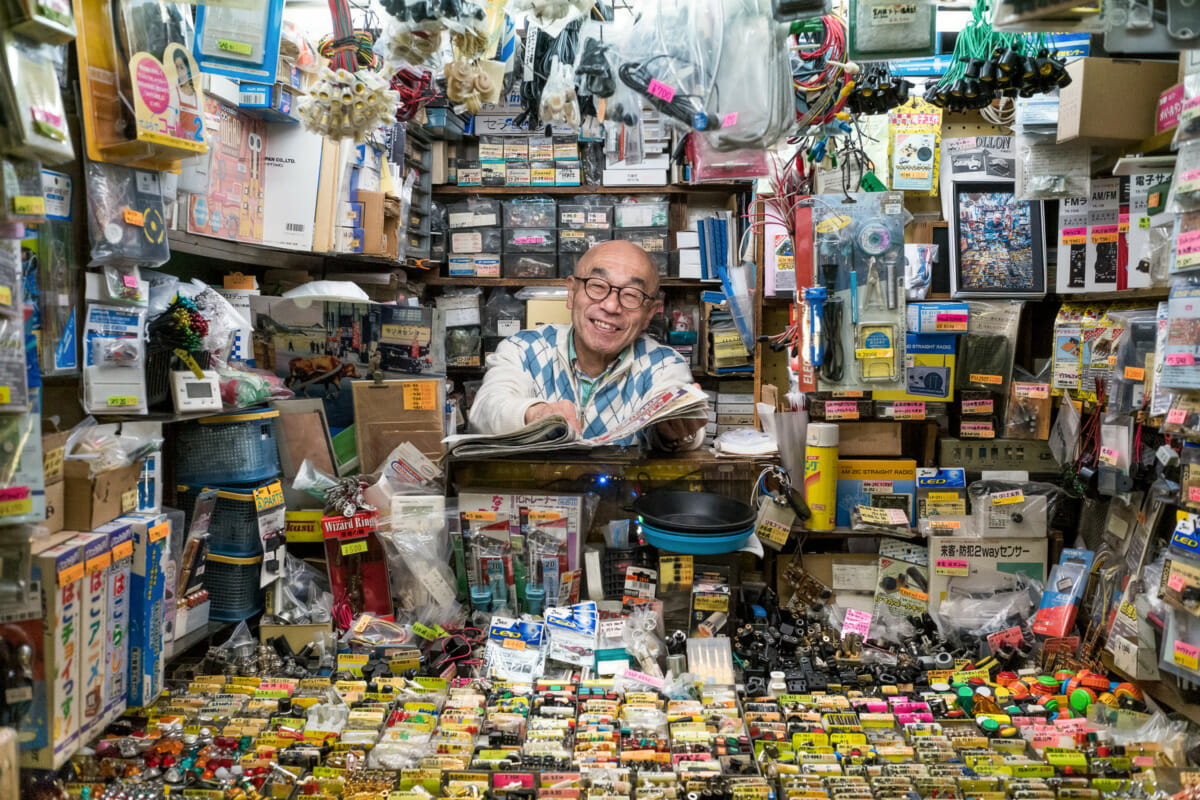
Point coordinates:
pixel 233 529
pixel 530 240
pixel 474 212
pixel 590 216
pixel 228 449
pixel 530 265
pixel 642 213
pixel 652 240
pixel 580 241
pixel 530 212
pixel 232 585
pixel 468 241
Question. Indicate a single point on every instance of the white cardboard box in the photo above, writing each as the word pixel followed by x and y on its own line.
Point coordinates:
pixel 987 562
pixel 293 168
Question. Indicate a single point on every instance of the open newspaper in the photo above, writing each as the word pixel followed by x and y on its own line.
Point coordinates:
pixel 554 433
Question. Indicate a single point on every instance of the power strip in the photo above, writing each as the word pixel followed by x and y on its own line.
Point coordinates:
pixel 1031 455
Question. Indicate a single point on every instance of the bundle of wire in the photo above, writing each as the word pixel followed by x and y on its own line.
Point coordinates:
pixel 819 73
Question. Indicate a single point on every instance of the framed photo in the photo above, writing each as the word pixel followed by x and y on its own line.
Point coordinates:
pixel 997 243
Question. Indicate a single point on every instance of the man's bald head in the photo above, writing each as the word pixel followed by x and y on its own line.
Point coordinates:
pixel 619 258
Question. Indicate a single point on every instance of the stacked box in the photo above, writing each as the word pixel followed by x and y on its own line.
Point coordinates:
pixel 97 559
pixel 120 540
pixel 150 534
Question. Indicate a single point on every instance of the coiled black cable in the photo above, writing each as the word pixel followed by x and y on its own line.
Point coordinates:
pixel 683 107
pixel 833 365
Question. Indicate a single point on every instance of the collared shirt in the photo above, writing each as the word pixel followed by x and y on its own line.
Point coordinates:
pixel 587 384
pixel 538 366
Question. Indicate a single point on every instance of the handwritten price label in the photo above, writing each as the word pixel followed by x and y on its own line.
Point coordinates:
pixel 1109 455
pixel 660 90
pixel 984 378
pixel 1187 655
pixel 1008 498
pixel 952 566
pixel 350 548
pixel 1177 416
pixel 729 120
pixel 1135 374
pixel 856 622
pixel 1180 360
pixel 912 410
pixel 1175 583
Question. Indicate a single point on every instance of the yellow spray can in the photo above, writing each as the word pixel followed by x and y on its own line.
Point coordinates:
pixel 820 474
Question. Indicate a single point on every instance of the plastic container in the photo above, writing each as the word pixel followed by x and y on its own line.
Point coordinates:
pixel 468 241
pixel 530 265
pixel 580 241
pixel 585 215
pixel 473 212
pixel 652 240
pixel 696 544
pixel 233 529
pixel 233 586
pixel 642 213
pixel 530 240
pixel 530 212
pixel 228 449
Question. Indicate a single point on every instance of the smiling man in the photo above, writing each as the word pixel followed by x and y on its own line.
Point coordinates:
pixel 597 371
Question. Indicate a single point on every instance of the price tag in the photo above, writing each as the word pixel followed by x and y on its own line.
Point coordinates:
pixel 15 500
pixel 231 46
pixel 914 594
pixel 1008 498
pixel 420 396
pixel 978 406
pixel 866 353
pixel 29 206
pixel 660 90
pixel 770 530
pixel 984 378
pixel 350 548
pixel 135 218
pixel 841 409
pixel 1143 222
pixel 956 567
pixel 424 631
pixel 1032 391
pixel 5 395
pixel 882 516
pixel 514 644
pixel 951 323
pixel 1180 360
pixel 1108 455
pixel 729 119
pixel 129 501
pixel 1187 655
pixel 1175 583
pixel 908 410
pixel 1135 374
pixel 1177 416
pixel 118 401
pixel 856 622
pixel 1010 637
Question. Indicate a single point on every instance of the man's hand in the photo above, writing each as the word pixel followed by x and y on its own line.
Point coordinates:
pixel 672 432
pixel 563 408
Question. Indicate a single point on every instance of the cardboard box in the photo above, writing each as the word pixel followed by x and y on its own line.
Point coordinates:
pixel 858 439
pixel 146 585
pixel 56 496
pixel 1130 85
pixel 93 651
pixel 95 501
pixel 328 198
pixel 50 730
pixel 961 563
pixel 929 369
pixel 374 243
pixel 54 447
pixel 860 479
pixel 294 167
pixel 120 541
pixel 546 312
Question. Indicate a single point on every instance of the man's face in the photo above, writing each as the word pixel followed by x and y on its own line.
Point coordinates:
pixel 605 327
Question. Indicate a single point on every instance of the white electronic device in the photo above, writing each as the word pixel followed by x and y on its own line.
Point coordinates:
pixel 195 394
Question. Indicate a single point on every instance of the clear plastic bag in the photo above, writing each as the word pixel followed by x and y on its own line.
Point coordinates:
pixel 552 16
pixel 976 611
pixel 503 314
pixel 418 552
pixel 305 592
pixel 559 103
pixel 1047 170
pixel 125 216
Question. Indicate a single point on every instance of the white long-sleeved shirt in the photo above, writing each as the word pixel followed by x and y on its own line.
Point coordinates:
pixel 535 366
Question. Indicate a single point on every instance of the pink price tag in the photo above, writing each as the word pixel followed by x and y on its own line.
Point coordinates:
pixel 1175 583
pixel 529 240
pixel 661 90
pixel 1109 455
pixel 1194 494
pixel 856 622
pixel 1177 416
pixel 129 281
pixel 46 116
pixel 729 120
pixel 1180 359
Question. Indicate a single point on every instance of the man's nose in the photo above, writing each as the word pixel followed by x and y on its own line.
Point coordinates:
pixel 612 303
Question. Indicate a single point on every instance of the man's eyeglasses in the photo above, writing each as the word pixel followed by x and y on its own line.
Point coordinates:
pixel 598 290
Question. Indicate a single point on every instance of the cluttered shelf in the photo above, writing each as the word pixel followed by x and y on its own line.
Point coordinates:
pixel 182 644
pixel 1162 691
pixel 169 416
pixel 256 255
pixel 469 280
pixel 453 189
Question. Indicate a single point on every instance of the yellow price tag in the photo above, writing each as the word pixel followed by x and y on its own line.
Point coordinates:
pixel 420 396
pixel 230 46
pixel 5 394
pixel 122 400
pixel 350 548
pixel 983 378
pixel 29 206
pixel 135 218
pixel 5 296
pixel 128 501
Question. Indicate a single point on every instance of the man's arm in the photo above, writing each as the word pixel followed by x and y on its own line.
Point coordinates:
pixel 507 392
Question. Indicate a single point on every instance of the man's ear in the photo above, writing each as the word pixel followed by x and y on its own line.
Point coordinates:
pixel 570 292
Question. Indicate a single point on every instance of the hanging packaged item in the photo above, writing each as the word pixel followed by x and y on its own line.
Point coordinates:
pixel 882 30
pixel 36 121
pixel 21 197
pixel 50 278
pixel 14 380
pixel 357 567
pixel 125 218
pixel 239 43
pixel 49 21
pixel 139 83
pixel 114 372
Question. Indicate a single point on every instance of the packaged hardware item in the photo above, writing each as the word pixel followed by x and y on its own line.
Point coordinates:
pixel 33 106
pixel 125 217
pixel 114 372
pixel 21 192
pixel 357 567
pixel 985 355
pixel 1064 590
pixel 530 212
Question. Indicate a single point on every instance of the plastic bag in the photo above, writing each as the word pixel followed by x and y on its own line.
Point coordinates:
pixel 552 16
pixel 104 449
pixel 417 550
pixel 242 386
pixel 559 103
pixel 975 611
pixel 503 314
pixel 223 319
pixel 125 216
pixel 1047 170
pixel 306 593
pixel 643 638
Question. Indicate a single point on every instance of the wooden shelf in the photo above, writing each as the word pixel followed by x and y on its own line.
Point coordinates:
pixel 1131 295
pixel 251 256
pixel 170 416
pixel 1162 691
pixel 468 280
pixel 452 189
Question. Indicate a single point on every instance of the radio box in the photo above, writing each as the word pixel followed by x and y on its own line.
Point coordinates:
pixel 150 534
pixel 93 655
pixel 120 541
pixel 50 729
pixel 881 483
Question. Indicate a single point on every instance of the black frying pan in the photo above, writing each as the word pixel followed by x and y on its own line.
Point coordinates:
pixel 694 512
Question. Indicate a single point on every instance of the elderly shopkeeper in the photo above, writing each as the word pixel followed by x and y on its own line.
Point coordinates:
pixel 598 370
